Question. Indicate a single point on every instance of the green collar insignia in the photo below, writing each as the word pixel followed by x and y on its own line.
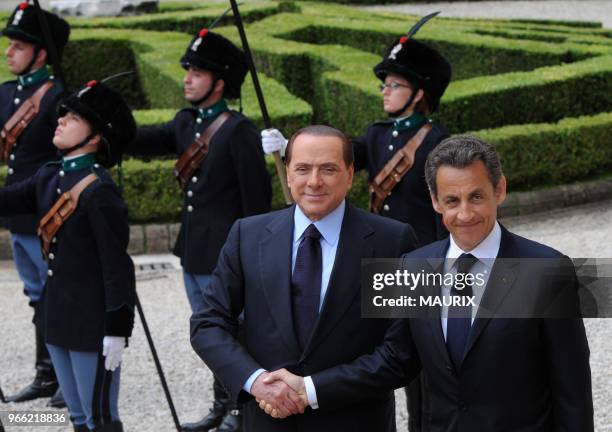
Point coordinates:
pixel 213 110
pixel 415 120
pixel 35 77
pixel 80 162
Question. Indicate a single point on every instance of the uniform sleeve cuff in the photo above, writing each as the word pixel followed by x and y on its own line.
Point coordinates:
pixel 311 393
pixel 119 322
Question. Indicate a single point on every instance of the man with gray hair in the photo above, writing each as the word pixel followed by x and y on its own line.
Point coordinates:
pixel 486 371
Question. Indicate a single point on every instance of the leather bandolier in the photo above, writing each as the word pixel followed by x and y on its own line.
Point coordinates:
pixel 195 154
pixel 63 208
pixel 20 120
pixel 395 169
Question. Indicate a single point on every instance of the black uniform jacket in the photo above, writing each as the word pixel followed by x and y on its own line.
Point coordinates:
pixel 35 146
pixel 231 183
pixel 409 201
pixel 254 275
pixel 90 291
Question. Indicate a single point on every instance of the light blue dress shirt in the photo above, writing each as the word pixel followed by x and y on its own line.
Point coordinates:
pixel 329 227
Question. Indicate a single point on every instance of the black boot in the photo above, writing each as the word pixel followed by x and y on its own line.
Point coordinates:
pixel 232 422
pixel 211 421
pixel 45 382
pixel 57 401
pixel 81 428
pixel 115 426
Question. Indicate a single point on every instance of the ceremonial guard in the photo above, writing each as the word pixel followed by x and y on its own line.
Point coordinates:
pixel 221 170
pixel 28 119
pixel 88 301
pixel 414 77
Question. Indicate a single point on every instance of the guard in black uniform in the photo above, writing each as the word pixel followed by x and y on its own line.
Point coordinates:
pixel 231 182
pixel 88 301
pixel 27 58
pixel 414 77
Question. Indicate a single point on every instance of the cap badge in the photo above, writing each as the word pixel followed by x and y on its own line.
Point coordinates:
pixel 198 41
pixel 397 48
pixel 19 13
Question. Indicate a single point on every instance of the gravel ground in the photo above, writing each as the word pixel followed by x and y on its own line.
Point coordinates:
pixel 581 10
pixel 582 231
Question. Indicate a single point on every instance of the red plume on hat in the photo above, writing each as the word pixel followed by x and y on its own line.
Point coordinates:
pixel 419 63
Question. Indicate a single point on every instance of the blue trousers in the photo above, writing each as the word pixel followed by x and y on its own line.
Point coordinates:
pixel 30 264
pixel 90 391
pixel 194 284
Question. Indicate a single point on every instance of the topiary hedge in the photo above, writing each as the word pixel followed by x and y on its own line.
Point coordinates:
pixel 537 89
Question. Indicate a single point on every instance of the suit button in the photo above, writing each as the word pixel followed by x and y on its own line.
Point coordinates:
pixel 395 134
pixel 62 173
pixel 16 101
pixel 12 157
pixel 386 207
pixel 198 135
pixel 11 171
pixel 189 194
pixel 51 256
pixel 189 209
pixel 194 179
pixel 198 120
pixel 19 87
pixel 50 273
pixel 59 191
pixel 390 148
pixel 54 240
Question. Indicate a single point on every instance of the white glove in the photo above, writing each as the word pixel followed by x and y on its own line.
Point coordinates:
pixel 273 140
pixel 112 349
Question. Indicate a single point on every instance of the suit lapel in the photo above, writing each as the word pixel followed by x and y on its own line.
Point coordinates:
pixel 434 321
pixel 275 252
pixel 499 285
pixel 344 282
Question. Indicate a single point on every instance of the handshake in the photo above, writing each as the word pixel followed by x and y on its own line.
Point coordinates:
pixel 280 393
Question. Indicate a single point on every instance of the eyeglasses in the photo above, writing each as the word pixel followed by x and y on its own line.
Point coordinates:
pixel 392 86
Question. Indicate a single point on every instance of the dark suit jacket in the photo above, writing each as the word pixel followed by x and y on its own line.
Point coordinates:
pixel 253 274
pixel 517 375
pixel 232 182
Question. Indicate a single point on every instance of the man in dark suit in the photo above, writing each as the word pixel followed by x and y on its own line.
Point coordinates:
pixel 486 370
pixel 294 274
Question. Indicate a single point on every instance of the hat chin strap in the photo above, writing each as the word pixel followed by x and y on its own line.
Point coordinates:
pixel 28 68
pixel 66 152
pixel 406 105
pixel 207 95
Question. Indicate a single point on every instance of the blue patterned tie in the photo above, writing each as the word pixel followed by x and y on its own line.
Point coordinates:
pixel 306 284
pixel 460 317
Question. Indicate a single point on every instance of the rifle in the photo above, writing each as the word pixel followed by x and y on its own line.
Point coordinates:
pixel 280 167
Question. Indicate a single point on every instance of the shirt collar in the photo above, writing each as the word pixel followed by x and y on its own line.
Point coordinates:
pixel 484 252
pixel 213 110
pixel 329 226
pixel 35 77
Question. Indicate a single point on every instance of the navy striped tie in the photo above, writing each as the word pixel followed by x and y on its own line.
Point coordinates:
pixel 460 317
pixel 306 284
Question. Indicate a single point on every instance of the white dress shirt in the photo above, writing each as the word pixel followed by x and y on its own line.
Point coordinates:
pixel 485 252
pixel 329 226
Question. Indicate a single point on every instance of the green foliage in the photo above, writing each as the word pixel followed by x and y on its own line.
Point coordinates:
pixel 537 89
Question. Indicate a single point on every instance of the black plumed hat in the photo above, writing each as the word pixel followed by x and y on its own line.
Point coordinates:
pixel 213 52
pixel 419 64
pixel 23 25
pixel 108 114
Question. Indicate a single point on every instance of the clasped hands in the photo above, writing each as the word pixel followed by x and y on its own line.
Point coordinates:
pixel 280 393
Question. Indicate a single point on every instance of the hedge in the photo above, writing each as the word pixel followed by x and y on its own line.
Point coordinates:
pixel 550 80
